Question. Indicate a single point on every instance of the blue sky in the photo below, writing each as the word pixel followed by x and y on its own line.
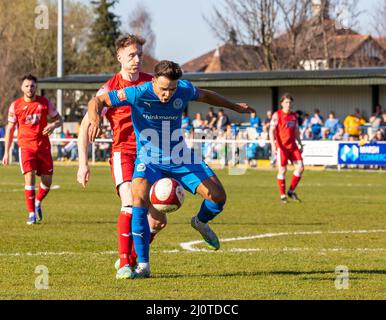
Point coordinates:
pixel 181 32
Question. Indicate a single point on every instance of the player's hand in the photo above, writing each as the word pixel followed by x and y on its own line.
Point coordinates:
pixel 49 129
pixel 301 148
pixel 94 129
pixel 243 108
pixel 5 160
pixel 83 175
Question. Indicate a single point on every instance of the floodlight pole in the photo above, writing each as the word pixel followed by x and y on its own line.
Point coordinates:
pixel 60 58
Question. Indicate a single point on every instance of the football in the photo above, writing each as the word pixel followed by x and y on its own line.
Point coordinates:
pixel 167 195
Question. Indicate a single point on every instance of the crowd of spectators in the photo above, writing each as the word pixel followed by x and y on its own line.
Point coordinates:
pixel 354 127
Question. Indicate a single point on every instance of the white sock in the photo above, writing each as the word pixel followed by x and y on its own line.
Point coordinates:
pixel 37 203
pixel 31 214
pixel 144 265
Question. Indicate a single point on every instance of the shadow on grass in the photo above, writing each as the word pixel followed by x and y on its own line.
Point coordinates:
pixel 257 224
pixel 268 273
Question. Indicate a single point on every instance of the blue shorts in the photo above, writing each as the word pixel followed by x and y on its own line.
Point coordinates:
pixel 189 175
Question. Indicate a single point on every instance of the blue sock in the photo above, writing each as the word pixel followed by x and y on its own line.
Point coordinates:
pixel 141 233
pixel 209 210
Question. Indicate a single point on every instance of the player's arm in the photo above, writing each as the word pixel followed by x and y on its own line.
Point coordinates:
pixel 56 118
pixel 298 139
pixel 83 174
pixel 9 132
pixel 272 132
pixel 124 97
pixel 95 107
pixel 217 100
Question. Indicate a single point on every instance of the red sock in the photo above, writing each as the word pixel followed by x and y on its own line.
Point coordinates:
pixel 42 192
pixel 29 193
pixel 281 182
pixel 295 181
pixel 133 254
pixel 125 239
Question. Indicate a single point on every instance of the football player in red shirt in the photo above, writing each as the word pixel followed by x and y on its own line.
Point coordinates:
pixel 123 151
pixel 29 114
pixel 284 133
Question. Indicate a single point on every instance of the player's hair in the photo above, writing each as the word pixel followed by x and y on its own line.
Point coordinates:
pixel 168 69
pixel 286 96
pixel 29 77
pixel 128 40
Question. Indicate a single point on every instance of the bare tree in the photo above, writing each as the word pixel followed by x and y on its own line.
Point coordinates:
pixel 336 41
pixel 140 21
pixel 295 15
pixel 379 18
pixel 253 21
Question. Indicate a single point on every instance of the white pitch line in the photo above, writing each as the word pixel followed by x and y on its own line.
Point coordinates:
pixel 54 187
pixel 190 246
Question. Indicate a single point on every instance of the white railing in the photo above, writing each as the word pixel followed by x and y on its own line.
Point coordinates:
pixel 220 151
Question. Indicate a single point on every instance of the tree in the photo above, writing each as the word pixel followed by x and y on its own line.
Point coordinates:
pixel 27 49
pixel 101 53
pixel 140 21
pixel 255 23
pixel 295 14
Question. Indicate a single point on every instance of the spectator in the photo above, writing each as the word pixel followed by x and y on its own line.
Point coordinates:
pixel 383 121
pixel 222 120
pixel 185 122
pixel 255 122
pixel 268 119
pixel 339 135
pixel 60 147
pixel 316 125
pixel 379 136
pixel 307 134
pixel 263 145
pixel 376 119
pixel 332 124
pixel 211 118
pixel 352 125
pixel 103 148
pixel 71 148
pixel 306 121
pixel 198 123
pixel 325 134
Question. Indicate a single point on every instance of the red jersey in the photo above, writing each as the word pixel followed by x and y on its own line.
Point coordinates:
pixel 286 125
pixel 120 118
pixel 31 119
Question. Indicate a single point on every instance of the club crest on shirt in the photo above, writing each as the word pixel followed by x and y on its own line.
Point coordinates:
pixel 141 167
pixel 178 103
pixel 121 95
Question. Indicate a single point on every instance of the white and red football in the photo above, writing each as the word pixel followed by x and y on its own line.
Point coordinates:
pixel 167 195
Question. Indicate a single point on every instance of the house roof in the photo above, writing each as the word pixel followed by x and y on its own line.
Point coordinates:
pixel 228 57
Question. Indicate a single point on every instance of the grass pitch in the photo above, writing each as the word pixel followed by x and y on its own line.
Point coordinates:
pixel 270 251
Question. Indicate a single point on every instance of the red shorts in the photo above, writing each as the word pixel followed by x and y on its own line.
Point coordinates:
pixel 39 160
pixel 122 167
pixel 283 155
